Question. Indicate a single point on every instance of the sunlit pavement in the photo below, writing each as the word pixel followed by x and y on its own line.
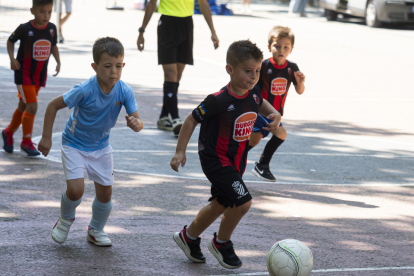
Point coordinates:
pixel 344 173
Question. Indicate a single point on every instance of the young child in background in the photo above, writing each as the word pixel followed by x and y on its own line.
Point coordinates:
pixel 37 40
pixel 276 75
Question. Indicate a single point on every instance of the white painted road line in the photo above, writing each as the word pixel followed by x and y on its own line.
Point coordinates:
pixel 281 153
pixel 327 270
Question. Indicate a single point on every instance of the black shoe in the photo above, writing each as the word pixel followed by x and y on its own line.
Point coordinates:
pixel 263 173
pixel 190 248
pixel 224 253
pixel 164 123
pixel 61 39
pixel 7 141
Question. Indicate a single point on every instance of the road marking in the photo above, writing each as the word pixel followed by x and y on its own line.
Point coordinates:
pixel 326 270
pixel 280 153
pixel 169 176
pixel 55 159
pixel 69 87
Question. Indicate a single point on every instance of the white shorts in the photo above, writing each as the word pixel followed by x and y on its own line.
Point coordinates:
pixel 68 6
pixel 99 164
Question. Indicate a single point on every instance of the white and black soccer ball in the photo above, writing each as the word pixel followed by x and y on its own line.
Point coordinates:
pixel 289 258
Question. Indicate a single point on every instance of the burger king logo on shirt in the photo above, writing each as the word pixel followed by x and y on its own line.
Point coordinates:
pixel 41 50
pixel 279 86
pixel 243 126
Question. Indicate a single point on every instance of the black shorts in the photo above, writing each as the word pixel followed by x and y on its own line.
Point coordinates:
pixel 228 187
pixel 175 40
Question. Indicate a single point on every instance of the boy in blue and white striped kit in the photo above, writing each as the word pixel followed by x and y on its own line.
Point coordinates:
pixel 97 103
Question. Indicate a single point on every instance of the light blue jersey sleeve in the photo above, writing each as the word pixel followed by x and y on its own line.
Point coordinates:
pixel 130 103
pixel 74 97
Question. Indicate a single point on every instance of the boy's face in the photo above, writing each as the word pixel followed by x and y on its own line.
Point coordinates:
pixel 280 49
pixel 109 69
pixel 42 14
pixel 246 74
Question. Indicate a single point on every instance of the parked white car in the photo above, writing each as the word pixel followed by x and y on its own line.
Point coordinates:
pixel 375 12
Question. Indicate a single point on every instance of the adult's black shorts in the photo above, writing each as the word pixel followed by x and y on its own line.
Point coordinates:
pixel 175 40
pixel 228 187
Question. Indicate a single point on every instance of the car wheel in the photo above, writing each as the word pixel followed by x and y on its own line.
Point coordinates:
pixel 371 17
pixel 331 15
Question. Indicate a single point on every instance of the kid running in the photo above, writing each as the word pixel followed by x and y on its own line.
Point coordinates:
pixel 37 40
pixel 85 140
pixel 276 75
pixel 227 118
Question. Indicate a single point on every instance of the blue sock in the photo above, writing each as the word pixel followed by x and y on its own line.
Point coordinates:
pixel 100 214
pixel 68 207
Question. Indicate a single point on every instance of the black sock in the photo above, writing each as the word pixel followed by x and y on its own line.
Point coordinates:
pixel 269 150
pixel 170 99
pixel 164 110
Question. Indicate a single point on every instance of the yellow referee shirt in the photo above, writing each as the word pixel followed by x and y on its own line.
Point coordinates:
pixel 178 8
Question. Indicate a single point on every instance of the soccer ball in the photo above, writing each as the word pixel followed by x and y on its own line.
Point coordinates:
pixel 289 258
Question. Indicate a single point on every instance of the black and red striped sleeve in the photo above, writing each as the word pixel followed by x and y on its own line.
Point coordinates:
pixel 206 109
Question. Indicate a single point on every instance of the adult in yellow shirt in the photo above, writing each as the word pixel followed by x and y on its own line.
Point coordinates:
pixel 175 49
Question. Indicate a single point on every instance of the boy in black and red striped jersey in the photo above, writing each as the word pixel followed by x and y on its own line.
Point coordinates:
pixel 38 39
pixel 276 75
pixel 227 118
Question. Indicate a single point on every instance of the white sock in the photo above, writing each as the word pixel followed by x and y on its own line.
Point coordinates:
pixel 188 236
pixel 219 241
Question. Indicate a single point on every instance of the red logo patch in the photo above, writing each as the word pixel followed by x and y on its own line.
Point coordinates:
pixel 52 33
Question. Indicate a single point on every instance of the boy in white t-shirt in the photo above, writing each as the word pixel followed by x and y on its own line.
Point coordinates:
pixel 85 140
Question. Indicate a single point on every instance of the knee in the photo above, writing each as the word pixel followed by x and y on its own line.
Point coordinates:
pixel 21 107
pixel 280 133
pixel 217 208
pixel 74 194
pixel 179 76
pixel 243 209
pixel 170 75
pixel 104 197
pixel 31 108
pixel 253 143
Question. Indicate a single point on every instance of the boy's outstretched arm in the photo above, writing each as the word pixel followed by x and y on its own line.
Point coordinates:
pixel 134 122
pixel 45 143
pixel 14 64
pixel 55 53
pixel 266 109
pixel 300 80
pixel 185 134
pixel 206 11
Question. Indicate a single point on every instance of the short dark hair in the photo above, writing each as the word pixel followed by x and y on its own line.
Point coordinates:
pixel 278 32
pixel 242 50
pixel 37 3
pixel 108 45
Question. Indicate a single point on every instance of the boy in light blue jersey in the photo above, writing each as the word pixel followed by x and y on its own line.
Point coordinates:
pixel 97 103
